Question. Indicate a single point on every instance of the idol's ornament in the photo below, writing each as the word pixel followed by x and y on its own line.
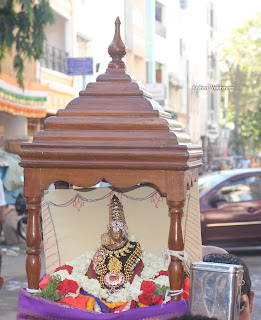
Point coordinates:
pixel 118 260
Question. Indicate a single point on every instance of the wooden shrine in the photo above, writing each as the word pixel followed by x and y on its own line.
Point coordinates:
pixel 113 131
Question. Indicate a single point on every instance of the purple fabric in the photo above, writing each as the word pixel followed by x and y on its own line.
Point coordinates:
pixel 32 307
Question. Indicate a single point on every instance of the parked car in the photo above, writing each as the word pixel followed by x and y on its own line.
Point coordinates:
pixel 230 206
pixel 222 163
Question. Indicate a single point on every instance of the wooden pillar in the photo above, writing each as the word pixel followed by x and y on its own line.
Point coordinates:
pixel 34 234
pixel 175 243
pixel 33 241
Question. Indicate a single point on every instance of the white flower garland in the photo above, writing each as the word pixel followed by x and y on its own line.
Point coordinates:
pixel 152 266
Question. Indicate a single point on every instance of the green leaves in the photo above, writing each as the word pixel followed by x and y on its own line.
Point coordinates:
pixel 160 290
pixel 241 56
pixel 23 29
pixel 49 292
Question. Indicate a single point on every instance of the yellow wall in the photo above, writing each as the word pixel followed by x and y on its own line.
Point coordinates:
pixel 53 76
pixel 57 100
pixel 29 67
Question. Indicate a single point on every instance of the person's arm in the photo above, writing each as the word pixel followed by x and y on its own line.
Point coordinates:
pixel 2 203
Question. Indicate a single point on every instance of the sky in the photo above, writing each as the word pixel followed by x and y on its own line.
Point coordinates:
pixel 233 13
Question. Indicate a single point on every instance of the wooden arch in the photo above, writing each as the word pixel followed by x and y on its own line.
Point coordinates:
pixel 112 131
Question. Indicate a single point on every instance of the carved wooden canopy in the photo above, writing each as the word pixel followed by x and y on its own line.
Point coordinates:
pixel 113 124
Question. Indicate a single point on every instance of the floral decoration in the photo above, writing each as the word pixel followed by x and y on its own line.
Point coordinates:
pixel 145 290
pixel 145 298
pixel 151 295
pixel 66 286
pixel 148 287
pixel 65 267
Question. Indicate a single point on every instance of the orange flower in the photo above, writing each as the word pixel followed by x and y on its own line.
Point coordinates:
pixel 44 281
pixel 78 302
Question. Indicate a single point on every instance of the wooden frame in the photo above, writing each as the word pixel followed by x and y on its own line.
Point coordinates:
pixel 113 131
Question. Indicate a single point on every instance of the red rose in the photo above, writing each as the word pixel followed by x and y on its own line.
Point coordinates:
pixel 156 300
pixel 148 287
pixel 65 267
pixel 145 298
pixel 67 286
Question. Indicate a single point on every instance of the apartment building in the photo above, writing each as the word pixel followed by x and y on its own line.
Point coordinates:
pixel 182 50
pixel 47 87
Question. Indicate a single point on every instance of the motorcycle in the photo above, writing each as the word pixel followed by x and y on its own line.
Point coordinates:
pixel 20 207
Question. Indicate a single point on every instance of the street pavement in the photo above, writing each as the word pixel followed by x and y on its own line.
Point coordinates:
pixel 13 272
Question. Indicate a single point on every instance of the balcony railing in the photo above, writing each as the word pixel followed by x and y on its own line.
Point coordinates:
pixel 54 58
pixel 160 29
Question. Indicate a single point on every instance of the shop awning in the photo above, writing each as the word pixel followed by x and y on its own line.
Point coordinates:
pixel 29 102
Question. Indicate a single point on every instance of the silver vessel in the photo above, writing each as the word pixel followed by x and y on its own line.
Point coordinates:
pixel 215 290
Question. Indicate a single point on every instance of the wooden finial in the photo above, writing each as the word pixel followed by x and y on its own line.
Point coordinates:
pixel 117 49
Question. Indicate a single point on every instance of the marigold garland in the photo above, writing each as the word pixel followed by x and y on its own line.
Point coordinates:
pixel 90 304
pixel 120 309
pixel 141 305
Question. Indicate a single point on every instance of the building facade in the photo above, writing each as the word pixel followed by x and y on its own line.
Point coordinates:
pixel 182 49
pixel 172 51
pixel 47 87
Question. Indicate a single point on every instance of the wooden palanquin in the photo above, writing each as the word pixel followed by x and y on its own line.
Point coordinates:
pixel 113 131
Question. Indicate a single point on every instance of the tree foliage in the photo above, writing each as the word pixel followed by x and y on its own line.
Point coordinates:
pixel 22 24
pixel 241 56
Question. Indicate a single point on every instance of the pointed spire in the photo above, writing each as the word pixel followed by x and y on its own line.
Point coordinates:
pixel 117 49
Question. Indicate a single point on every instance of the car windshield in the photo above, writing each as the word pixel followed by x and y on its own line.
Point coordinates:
pixel 205 183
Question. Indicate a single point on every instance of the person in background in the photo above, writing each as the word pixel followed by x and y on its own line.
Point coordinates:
pixel 244 163
pixel 224 166
pixel 247 296
pixel 212 249
pixel 2 204
pixel 1 278
pixel 253 163
pixel 2 221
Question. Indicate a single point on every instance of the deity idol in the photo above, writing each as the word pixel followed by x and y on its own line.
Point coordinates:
pixel 117 260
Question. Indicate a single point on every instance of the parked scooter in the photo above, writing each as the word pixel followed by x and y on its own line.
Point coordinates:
pixel 20 206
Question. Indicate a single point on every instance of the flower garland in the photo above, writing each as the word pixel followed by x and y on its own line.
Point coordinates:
pixel 152 266
pixel 145 290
